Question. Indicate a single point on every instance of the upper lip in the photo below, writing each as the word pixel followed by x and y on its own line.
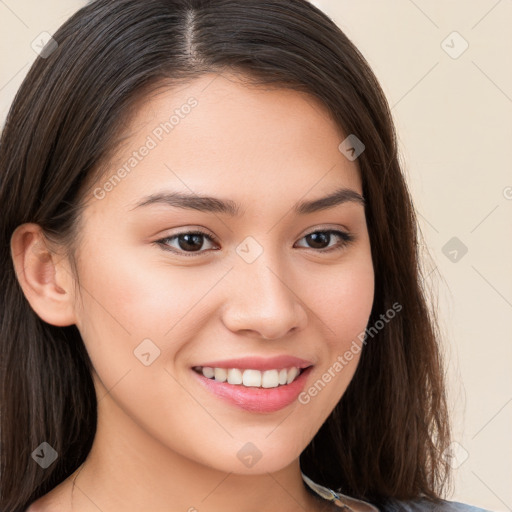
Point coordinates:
pixel 259 363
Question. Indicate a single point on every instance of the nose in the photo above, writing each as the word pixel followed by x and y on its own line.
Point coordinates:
pixel 263 300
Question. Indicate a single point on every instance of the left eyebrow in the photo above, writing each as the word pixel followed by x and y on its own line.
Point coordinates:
pixel 229 207
pixel 339 196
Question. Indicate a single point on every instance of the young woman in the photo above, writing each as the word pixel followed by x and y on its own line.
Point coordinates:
pixel 211 296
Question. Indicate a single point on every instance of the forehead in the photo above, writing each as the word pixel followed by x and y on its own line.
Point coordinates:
pixel 220 136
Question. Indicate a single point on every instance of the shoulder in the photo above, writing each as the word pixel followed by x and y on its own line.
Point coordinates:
pixel 54 501
pixel 424 505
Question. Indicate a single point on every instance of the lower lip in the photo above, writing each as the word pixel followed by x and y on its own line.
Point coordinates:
pixel 256 399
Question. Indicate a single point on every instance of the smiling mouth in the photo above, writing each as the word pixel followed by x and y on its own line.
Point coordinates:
pixel 251 378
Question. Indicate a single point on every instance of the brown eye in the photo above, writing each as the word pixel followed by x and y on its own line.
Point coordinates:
pixel 321 239
pixel 187 242
pixel 190 241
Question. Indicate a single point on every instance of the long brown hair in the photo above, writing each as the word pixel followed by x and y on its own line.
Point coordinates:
pixel 386 437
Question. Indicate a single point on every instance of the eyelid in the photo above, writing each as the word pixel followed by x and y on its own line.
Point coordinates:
pixel 326 227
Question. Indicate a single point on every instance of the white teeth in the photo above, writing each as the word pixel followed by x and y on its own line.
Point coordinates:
pixel 234 376
pixel 208 372
pixel 270 379
pixel 221 374
pixel 292 373
pixel 251 378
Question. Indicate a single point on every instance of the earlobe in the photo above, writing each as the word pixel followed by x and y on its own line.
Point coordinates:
pixel 43 275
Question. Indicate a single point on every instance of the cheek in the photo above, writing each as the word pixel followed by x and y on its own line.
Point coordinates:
pixel 344 301
pixel 142 296
pixel 344 305
pixel 127 302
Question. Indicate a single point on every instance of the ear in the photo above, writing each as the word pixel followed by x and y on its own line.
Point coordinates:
pixel 44 276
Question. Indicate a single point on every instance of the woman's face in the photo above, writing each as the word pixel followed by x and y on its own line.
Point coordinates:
pixel 275 280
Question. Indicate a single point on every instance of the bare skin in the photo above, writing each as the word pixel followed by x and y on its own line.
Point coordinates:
pixel 163 441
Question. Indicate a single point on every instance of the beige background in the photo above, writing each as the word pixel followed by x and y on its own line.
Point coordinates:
pixel 453 116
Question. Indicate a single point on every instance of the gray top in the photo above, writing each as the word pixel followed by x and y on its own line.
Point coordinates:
pixel 419 505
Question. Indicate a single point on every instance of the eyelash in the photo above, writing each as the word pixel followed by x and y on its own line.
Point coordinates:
pixel 347 239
